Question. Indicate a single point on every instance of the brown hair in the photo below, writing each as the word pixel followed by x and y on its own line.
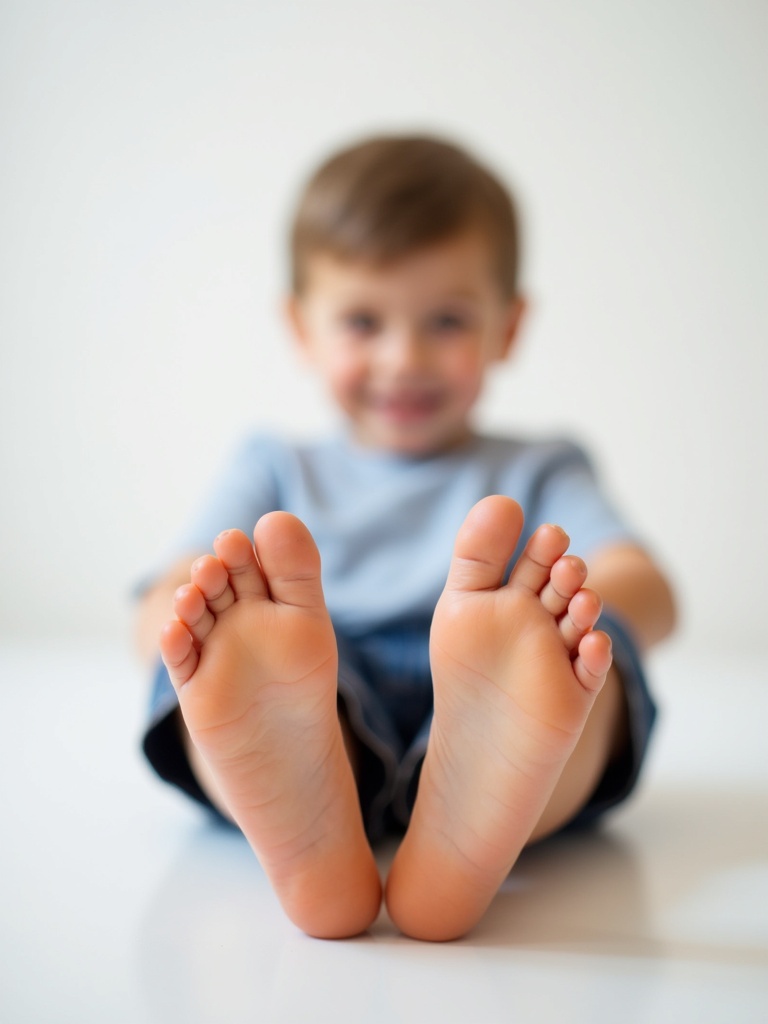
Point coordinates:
pixel 388 196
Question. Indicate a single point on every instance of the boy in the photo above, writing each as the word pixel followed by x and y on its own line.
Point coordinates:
pixel 480 719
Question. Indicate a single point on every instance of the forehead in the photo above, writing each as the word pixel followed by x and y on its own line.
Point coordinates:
pixel 460 266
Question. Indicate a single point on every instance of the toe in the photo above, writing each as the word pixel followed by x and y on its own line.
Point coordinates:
pixel 484 544
pixel 178 652
pixel 289 559
pixel 593 660
pixel 211 579
pixel 191 609
pixel 239 559
pixel 533 568
pixel 566 578
pixel 583 612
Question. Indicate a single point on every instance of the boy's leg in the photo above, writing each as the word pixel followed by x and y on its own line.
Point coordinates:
pixel 252 656
pixel 604 740
pixel 516 672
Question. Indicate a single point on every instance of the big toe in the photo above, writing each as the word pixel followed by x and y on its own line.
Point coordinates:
pixel 289 559
pixel 485 543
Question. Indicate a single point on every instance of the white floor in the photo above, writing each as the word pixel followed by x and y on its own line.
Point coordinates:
pixel 120 905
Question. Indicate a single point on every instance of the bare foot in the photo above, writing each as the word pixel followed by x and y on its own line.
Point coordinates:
pixel 516 670
pixel 253 659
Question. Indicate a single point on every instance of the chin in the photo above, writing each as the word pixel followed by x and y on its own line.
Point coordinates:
pixel 420 445
pixel 415 437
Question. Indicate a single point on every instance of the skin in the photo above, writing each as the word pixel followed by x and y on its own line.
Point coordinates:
pixel 404 351
pixel 528 710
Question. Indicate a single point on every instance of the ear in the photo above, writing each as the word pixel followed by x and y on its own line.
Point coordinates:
pixel 513 318
pixel 293 315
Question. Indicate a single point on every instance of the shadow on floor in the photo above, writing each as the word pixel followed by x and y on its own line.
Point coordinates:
pixel 680 877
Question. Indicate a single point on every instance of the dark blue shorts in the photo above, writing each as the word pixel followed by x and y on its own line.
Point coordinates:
pixel 385 694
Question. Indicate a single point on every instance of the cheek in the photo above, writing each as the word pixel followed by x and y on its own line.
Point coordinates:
pixel 466 369
pixel 345 374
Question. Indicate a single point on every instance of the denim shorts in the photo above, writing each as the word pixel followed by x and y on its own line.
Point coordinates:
pixel 385 695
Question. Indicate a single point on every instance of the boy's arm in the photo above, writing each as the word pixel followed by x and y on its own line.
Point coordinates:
pixel 155 608
pixel 630 583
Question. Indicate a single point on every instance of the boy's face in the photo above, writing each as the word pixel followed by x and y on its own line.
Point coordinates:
pixel 404 349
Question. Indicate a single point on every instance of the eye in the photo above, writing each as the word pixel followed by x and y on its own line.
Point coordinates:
pixel 360 322
pixel 448 322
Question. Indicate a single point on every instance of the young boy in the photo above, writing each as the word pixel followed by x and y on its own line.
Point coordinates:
pixel 480 713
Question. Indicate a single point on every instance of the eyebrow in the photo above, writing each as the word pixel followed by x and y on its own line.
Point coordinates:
pixel 462 294
pixel 459 294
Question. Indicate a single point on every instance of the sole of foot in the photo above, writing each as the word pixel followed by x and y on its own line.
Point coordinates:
pixel 252 656
pixel 516 669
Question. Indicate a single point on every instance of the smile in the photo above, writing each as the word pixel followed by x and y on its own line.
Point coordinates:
pixel 406 407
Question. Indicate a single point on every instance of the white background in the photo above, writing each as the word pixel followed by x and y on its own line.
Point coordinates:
pixel 150 152
pixel 149 156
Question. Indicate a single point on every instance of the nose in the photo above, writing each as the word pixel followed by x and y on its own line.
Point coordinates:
pixel 404 352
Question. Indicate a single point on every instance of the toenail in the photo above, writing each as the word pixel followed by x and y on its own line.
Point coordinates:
pixel 554 526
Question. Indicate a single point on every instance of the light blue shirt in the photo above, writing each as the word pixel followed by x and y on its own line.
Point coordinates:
pixel 385 523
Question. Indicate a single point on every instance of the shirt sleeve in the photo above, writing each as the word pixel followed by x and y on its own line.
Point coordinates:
pixel 245 488
pixel 568 493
